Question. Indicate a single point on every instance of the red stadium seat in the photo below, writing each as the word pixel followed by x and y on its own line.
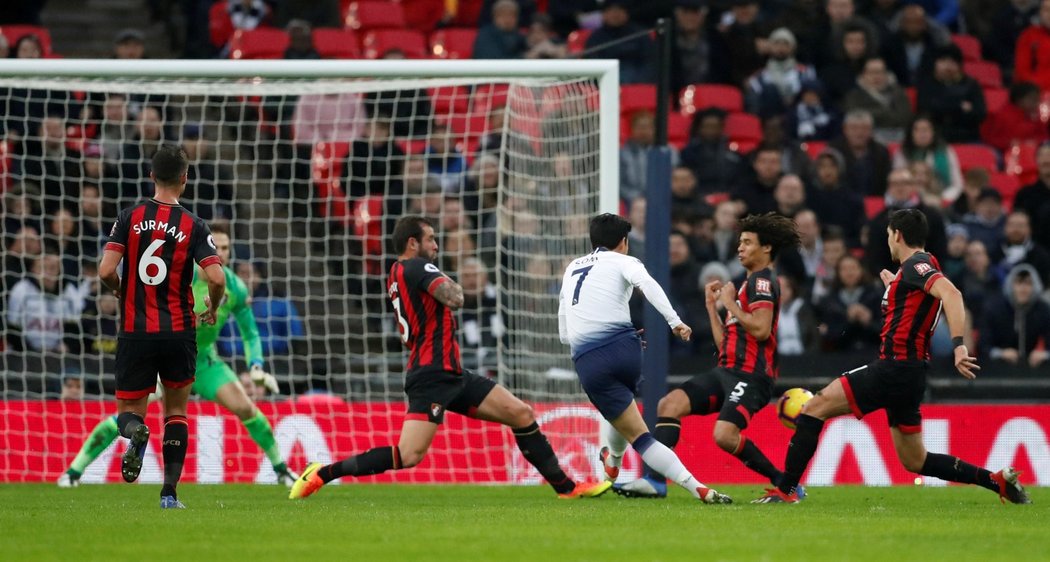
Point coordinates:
pixel 368 226
pixel 410 42
pixel 577 40
pixel 259 43
pixel 698 96
pixel 969 45
pixel 447 100
pixel 976 156
pixel 913 97
pixel 488 96
pixel 678 129
pixel 374 15
pixel 635 97
pixel 15 32
pixel 1020 162
pixel 337 43
pixel 1007 185
pixel 743 126
pixel 453 43
pixel 873 205
pixel 814 148
pixel 743 146
pixel 996 99
pixel 220 28
pixel 987 74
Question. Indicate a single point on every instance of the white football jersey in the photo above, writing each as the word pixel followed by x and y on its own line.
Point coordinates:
pixel 595 293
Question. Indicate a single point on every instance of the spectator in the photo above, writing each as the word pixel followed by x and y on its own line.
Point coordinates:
pixel 411 109
pixel 64 238
pixel 276 316
pixel 1004 30
pixel 953 264
pixel 867 161
pixel 570 15
pixel 72 385
pixel 923 142
pixel 832 201
pixel 774 89
pixel 636 237
pixel 1034 199
pixel 129 44
pixel 38 307
pixel 797 332
pixel 930 188
pixel 803 262
pixel 793 158
pixel 944 12
pixel 987 221
pixel 375 164
pixel 445 161
pixel 541 40
pixel 978 282
pixel 851 311
pixel 902 193
pixel 501 39
pixel 974 180
pixel 1017 122
pixel 1018 321
pixel 743 41
pixel 909 51
pixel 684 292
pixel 27 46
pixel 243 15
pixel 209 192
pixel 856 44
pixel 330 117
pixel 684 195
pixel 100 326
pixel 136 154
pixel 1016 247
pixel 708 153
pixel 954 101
pixel 1032 55
pixel 810 119
pixel 725 238
pixel 115 126
pixel 878 93
pixel 756 192
pixel 300 41
pixel 480 321
pixel 634 155
pixel 691 55
pixel 92 231
pixel 790 195
pixel 635 55
pixel 47 162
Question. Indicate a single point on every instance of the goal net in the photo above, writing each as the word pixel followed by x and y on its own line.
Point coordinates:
pixel 307 165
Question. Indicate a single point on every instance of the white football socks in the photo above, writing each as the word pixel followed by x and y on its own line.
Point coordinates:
pixel 664 461
pixel 617 444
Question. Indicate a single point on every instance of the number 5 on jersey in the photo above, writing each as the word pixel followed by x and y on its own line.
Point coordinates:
pixel 582 272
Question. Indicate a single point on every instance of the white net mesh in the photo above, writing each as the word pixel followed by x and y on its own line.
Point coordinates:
pixel 310 176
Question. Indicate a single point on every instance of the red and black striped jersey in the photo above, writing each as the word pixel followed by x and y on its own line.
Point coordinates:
pixel 909 312
pixel 427 327
pixel 742 351
pixel 160 243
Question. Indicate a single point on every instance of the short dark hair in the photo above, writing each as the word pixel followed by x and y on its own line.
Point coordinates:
pixel 608 230
pixel 219 228
pixel 170 163
pixel 912 225
pixel 408 227
pixel 773 229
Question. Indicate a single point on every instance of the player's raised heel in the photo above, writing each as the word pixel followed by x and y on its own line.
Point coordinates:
pixel 169 502
pixel 644 487
pixel 611 472
pixel 131 462
pixel 587 490
pixel 1009 488
pixel 307 483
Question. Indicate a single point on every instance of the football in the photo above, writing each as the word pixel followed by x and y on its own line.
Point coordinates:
pixel 790 405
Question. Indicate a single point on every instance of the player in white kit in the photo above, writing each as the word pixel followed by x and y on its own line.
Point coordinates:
pixel 594 320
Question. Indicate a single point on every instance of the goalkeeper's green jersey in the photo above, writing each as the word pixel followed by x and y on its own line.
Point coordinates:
pixel 236 302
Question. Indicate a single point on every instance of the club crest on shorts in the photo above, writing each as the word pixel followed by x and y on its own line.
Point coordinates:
pixel 435 409
pixel 923 268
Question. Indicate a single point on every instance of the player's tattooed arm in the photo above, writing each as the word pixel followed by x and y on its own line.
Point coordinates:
pixel 449 294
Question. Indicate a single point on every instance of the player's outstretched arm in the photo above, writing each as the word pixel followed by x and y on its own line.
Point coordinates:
pixel 955 312
pixel 654 293
pixel 107 270
pixel 216 279
pixel 448 293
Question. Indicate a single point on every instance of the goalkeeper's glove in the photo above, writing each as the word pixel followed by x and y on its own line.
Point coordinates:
pixel 261 377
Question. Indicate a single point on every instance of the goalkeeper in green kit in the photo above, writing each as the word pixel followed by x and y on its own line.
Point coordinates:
pixel 215 380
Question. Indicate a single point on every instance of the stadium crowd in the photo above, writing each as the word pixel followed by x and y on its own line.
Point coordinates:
pixel 832 112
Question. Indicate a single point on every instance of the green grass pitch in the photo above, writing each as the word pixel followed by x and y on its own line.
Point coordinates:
pixel 380 523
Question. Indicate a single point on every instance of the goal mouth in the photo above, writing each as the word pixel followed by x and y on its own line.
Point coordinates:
pixel 308 164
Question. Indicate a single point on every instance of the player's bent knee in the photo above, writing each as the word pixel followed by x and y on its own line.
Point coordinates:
pixel 410 458
pixel 521 414
pixel 726 439
pixel 674 405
